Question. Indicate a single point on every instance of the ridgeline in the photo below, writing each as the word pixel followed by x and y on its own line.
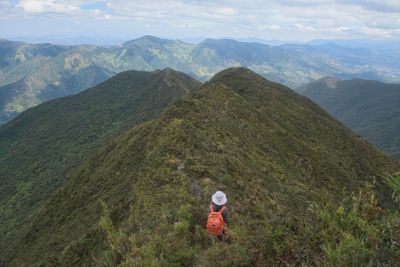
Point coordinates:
pixel 40 148
pixel 303 189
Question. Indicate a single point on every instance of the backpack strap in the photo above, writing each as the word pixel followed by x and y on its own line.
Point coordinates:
pixel 222 210
pixel 211 208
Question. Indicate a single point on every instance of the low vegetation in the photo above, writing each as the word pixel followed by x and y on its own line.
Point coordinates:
pixel 355 232
pixel 303 190
pixel 40 148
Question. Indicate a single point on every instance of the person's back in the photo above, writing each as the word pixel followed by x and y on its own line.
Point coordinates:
pixel 218 217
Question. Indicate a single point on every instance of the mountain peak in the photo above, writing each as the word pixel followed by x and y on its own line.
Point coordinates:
pixel 149 39
pixel 247 83
pixel 235 72
pixel 219 41
pixel 171 76
pixel 169 70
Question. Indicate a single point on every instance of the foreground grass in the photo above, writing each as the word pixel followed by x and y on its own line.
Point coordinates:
pixel 356 232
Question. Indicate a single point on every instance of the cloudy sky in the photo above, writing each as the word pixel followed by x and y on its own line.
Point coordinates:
pixel 299 20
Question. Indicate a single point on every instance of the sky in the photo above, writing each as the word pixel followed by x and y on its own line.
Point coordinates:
pixel 287 20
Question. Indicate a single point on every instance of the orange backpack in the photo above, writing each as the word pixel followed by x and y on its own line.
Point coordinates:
pixel 215 221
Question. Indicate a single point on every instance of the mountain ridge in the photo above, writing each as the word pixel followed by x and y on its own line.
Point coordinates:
pixel 274 152
pixel 48 141
pixel 291 65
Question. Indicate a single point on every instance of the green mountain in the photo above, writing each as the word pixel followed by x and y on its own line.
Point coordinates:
pixel 369 108
pixel 64 73
pixel 21 59
pixel 35 73
pixel 34 90
pixel 273 62
pixel 16 53
pixel 287 167
pixel 40 147
pixel 149 52
pixel 78 68
pixel 295 65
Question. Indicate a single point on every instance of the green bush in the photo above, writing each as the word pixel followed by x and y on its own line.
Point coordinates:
pixel 393 181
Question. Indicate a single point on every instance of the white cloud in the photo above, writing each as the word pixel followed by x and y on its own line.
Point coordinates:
pixel 295 19
pixel 46 6
pixel 226 11
pixel 269 27
pixel 377 5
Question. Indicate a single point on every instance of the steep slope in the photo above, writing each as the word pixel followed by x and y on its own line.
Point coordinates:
pixel 370 108
pixel 41 146
pixel 276 154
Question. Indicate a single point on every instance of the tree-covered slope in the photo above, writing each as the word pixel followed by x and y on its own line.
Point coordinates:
pixel 42 145
pixel 369 108
pixel 283 162
pixel 41 77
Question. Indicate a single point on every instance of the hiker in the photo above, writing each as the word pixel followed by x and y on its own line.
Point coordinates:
pixel 218 215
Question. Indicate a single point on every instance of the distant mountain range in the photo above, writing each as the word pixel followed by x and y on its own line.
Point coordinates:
pixel 370 108
pixel 93 180
pixel 33 73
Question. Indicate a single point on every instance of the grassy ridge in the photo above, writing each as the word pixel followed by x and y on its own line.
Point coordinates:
pixel 285 164
pixel 42 146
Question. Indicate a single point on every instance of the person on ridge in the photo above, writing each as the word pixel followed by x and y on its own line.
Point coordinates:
pixel 218 215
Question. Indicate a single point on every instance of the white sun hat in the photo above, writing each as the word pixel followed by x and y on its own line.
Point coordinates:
pixel 219 198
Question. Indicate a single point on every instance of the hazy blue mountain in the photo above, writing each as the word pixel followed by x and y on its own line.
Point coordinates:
pixel 362 43
pixel 356 57
pixel 35 73
pixel 71 40
pixel 277 63
pixel 370 108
